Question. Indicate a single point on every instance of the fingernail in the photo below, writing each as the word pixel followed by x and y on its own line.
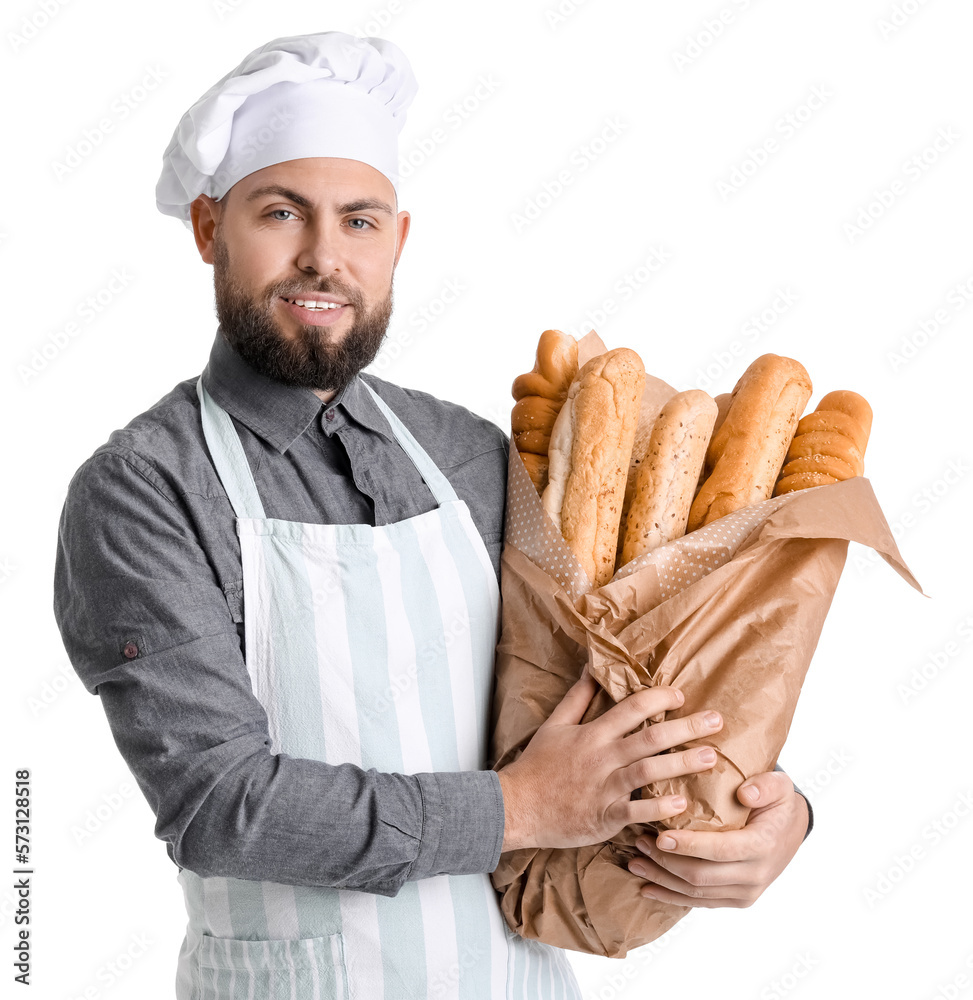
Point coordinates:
pixel 678 802
pixel 711 719
pixel 637 869
pixel 751 793
pixel 648 894
pixel 666 843
pixel 707 755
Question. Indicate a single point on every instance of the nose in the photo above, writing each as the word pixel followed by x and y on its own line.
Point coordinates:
pixel 319 253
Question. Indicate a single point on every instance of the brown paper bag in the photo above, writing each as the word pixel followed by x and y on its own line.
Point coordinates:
pixel 730 614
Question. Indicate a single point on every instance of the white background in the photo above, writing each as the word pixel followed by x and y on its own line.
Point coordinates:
pixel 875 902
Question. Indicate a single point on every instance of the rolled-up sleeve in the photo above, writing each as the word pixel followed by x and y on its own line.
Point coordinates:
pixel 148 629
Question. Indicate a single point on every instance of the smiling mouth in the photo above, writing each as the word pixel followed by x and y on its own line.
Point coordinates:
pixel 313 304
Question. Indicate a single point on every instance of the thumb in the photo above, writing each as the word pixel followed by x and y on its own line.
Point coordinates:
pixel 573 705
pixel 764 789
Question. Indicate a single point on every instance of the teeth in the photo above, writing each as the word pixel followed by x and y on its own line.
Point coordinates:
pixel 311 304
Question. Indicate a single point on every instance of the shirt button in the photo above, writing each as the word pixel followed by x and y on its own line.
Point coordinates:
pixel 329 414
pixel 130 651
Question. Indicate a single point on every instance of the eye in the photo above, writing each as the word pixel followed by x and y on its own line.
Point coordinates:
pixel 277 213
pixel 365 224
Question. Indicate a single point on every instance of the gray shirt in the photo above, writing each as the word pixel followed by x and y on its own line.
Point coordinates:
pixel 149 601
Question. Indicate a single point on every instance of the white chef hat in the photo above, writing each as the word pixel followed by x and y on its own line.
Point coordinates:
pixel 327 94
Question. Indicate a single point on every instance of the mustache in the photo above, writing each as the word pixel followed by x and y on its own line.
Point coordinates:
pixel 323 285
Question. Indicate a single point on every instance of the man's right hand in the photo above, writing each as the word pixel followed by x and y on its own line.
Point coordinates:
pixel 572 785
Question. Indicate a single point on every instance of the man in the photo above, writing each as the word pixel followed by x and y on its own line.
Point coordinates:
pixel 282 582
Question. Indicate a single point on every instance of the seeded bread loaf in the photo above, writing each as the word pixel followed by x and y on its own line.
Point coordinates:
pixel 590 451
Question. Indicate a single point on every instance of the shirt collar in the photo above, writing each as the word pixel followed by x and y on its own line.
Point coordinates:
pixel 281 413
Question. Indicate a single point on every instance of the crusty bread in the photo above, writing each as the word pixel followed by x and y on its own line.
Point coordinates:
pixel 747 451
pixel 590 450
pixel 539 395
pixel 829 445
pixel 668 473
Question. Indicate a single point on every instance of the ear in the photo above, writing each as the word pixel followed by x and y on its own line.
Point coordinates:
pixel 402 222
pixel 204 213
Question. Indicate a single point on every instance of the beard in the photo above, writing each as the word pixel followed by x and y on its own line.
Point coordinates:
pixel 311 359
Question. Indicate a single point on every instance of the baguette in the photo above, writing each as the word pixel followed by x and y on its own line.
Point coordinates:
pixel 747 451
pixel 668 473
pixel 590 451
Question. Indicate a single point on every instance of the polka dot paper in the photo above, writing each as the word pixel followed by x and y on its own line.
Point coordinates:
pixel 530 529
pixel 679 563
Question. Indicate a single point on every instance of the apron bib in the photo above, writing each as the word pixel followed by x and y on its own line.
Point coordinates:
pixel 373 646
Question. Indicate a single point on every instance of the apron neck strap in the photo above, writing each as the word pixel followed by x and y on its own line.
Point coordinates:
pixel 438 484
pixel 228 456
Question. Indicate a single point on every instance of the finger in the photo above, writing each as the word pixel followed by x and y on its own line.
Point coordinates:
pixel 646 770
pixel 765 789
pixel 571 708
pixel 625 811
pixel 672 733
pixel 692 898
pixel 632 711
pixel 708 882
pixel 728 845
pixel 691 875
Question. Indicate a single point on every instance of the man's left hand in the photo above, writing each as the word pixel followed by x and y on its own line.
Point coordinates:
pixel 731 868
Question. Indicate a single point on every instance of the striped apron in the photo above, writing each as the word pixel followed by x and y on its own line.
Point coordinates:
pixel 374 646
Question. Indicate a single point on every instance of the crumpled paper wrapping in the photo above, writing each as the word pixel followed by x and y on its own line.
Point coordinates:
pixel 730 614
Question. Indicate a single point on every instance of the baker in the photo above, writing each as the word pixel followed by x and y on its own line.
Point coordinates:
pixel 281 579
